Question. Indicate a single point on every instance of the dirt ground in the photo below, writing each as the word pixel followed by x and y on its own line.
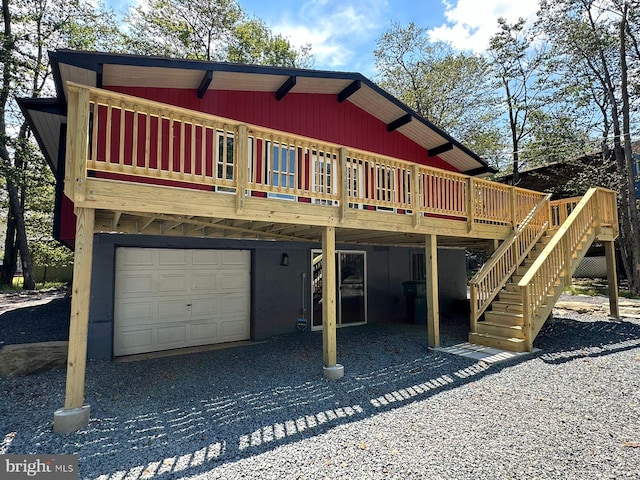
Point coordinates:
pixel 22 299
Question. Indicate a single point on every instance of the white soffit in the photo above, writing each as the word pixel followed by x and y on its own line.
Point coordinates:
pixel 157 77
pixel 77 75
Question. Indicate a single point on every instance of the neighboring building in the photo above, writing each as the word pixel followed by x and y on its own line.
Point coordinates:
pixel 561 178
pixel 217 202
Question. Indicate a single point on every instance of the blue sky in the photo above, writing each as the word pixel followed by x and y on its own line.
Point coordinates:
pixel 343 33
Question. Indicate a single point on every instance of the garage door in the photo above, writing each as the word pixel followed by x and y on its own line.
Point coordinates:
pixel 173 298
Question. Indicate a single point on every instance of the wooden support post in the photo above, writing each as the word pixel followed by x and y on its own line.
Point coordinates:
pixel 329 296
pixel 433 309
pixel 612 279
pixel 78 328
pixel 75 415
pixel 242 167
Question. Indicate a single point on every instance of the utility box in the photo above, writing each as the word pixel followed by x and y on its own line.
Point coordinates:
pixel 415 294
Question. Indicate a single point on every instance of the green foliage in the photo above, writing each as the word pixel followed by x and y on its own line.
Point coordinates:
pixel 30 29
pixel 253 42
pixel 216 30
pixel 435 81
pixel 517 71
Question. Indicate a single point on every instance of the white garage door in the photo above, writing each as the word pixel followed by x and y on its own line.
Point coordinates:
pixel 172 298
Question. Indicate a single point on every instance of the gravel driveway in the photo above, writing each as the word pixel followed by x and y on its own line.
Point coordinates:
pixel 570 411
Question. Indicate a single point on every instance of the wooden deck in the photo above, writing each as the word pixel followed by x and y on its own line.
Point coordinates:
pixel 215 177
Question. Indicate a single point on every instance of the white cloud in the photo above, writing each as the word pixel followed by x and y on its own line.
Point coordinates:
pixel 335 30
pixel 471 23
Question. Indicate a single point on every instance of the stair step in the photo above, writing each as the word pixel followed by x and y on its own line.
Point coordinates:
pixel 503 318
pixel 500 330
pixel 512 287
pixel 510 344
pixel 509 296
pixel 507 306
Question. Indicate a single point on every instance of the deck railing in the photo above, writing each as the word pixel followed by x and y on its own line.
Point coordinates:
pixel 493 276
pixel 560 257
pixel 132 138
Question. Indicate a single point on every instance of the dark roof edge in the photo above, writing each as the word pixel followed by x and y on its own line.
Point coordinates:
pixel 480 171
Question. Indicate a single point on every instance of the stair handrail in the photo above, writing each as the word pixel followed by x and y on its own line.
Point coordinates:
pixel 555 260
pixel 494 274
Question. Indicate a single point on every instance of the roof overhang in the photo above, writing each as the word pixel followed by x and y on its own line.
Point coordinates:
pixel 104 70
pixel 46 117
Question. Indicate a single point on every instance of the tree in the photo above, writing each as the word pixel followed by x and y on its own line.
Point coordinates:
pixel 253 42
pixel 449 88
pixel 212 30
pixel 597 41
pixel 517 67
pixel 30 27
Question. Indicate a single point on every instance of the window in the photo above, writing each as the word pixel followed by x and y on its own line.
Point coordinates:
pixel 322 171
pixel 224 157
pixel 281 164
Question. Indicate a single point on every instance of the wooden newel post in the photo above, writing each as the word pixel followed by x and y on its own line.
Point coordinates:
pixel 344 182
pixel 75 415
pixel 473 301
pixel 242 167
pixel 416 195
pixel 526 314
pixel 77 143
pixel 471 204
pixel 567 259
pixel 514 207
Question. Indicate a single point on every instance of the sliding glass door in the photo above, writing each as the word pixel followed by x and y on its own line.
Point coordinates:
pixel 351 288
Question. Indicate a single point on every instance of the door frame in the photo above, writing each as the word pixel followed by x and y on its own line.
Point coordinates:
pixel 339 323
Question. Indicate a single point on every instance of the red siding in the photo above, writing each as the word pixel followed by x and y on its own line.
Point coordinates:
pixel 67 221
pixel 310 115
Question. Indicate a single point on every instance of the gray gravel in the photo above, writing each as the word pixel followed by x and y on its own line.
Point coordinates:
pixel 570 411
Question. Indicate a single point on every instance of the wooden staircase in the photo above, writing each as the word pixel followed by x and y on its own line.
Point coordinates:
pixel 503 325
pixel 514 293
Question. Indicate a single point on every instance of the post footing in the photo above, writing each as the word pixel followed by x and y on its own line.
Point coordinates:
pixel 68 420
pixel 334 372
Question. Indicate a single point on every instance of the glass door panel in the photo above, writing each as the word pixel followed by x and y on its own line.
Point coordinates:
pixel 352 294
pixel 350 288
pixel 316 289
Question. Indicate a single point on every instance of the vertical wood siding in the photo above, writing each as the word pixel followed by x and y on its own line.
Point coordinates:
pixel 311 115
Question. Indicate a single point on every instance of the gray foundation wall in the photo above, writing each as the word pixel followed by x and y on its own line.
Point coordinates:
pixel 276 290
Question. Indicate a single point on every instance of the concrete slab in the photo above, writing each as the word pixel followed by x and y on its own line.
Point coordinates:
pixel 482 353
